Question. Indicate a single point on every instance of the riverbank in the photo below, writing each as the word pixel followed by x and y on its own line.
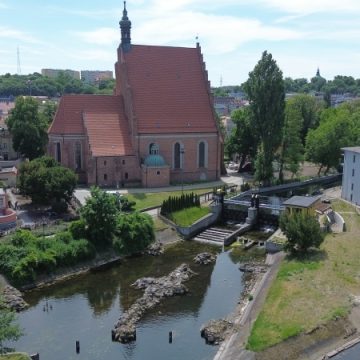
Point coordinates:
pixel 313 305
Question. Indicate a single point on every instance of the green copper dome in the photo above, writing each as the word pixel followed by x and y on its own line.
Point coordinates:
pixel 155 160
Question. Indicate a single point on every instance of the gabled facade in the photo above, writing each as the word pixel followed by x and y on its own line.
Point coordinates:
pixel 162 108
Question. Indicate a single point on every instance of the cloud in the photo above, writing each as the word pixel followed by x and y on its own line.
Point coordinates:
pixel 9 33
pixel 219 34
pixel 3 5
pixel 94 54
pixel 311 6
pixel 101 36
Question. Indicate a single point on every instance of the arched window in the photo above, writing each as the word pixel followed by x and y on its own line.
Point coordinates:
pixel 153 149
pixel 78 160
pixel 58 152
pixel 177 156
pixel 202 154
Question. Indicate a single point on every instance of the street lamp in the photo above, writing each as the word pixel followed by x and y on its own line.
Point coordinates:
pixel 29 84
pixel 182 152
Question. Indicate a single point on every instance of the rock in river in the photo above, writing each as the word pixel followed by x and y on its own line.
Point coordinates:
pixel 204 258
pixel 215 331
pixel 155 290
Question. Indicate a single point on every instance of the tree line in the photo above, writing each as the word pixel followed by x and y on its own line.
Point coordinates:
pixel 301 128
pixel 38 85
pixel 339 85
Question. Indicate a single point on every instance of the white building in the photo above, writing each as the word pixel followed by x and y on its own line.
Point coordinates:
pixel 351 175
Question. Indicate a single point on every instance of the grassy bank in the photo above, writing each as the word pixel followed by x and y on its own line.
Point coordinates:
pixel 312 290
pixel 146 200
pixel 15 356
pixel 187 217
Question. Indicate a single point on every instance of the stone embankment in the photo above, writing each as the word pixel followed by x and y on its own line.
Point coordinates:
pixel 13 299
pixel 156 289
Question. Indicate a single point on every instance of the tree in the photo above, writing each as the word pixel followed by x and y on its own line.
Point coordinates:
pixel 134 232
pixel 49 111
pixel 338 128
pixel 292 149
pixel 28 128
pixel 99 214
pixel 265 91
pixel 9 330
pixel 45 180
pixel 243 140
pixel 302 231
pixel 309 109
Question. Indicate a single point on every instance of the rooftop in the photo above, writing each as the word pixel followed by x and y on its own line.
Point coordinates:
pixel 355 149
pixel 301 201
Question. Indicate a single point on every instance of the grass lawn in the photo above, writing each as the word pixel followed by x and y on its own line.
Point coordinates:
pixel 15 356
pixel 146 200
pixel 314 290
pixel 188 216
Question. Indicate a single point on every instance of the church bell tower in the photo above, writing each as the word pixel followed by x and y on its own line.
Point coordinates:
pixel 125 26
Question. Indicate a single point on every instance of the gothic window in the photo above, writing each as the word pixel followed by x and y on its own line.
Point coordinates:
pixel 105 177
pixel 78 162
pixel 202 154
pixel 178 151
pixel 58 152
pixel 126 176
pixel 153 149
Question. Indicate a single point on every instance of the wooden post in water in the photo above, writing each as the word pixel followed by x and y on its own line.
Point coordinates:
pixel 77 346
pixel 170 337
pixel 35 356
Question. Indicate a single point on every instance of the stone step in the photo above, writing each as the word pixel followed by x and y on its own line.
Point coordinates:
pixel 209 241
pixel 222 230
pixel 204 236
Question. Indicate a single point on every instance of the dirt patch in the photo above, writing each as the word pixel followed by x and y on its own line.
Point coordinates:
pixel 313 344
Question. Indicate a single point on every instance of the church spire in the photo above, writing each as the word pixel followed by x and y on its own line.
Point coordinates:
pixel 125 26
pixel 318 73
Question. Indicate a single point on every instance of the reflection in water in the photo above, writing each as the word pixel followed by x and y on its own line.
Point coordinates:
pixel 86 309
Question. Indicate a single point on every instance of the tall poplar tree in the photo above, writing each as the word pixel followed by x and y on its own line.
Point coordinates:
pixel 265 91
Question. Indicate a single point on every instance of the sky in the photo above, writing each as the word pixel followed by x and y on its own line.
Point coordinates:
pixel 302 35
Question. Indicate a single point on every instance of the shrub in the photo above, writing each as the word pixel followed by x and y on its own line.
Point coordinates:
pixel 134 232
pixel 78 229
pixel 302 231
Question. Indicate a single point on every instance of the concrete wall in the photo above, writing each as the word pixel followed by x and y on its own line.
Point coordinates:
pixel 351 177
pixel 198 226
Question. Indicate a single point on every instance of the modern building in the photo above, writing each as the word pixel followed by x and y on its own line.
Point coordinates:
pixel 351 175
pixel 158 128
pixel 95 76
pixel 53 73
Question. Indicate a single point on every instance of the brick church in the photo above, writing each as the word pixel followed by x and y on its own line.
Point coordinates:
pixel 158 128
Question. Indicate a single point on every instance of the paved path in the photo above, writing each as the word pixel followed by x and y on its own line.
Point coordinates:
pixel 234 348
pixel 231 179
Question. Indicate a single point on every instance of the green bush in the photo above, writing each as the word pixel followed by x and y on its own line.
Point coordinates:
pixel 26 256
pixel 134 232
pixel 78 229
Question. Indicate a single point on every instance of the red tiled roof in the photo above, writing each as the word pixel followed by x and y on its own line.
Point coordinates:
pixel 169 89
pixel 108 134
pixel 68 118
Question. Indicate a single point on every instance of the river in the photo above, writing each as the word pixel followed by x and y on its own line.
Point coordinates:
pixel 86 309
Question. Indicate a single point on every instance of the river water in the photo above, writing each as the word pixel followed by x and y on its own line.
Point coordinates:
pixel 86 309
